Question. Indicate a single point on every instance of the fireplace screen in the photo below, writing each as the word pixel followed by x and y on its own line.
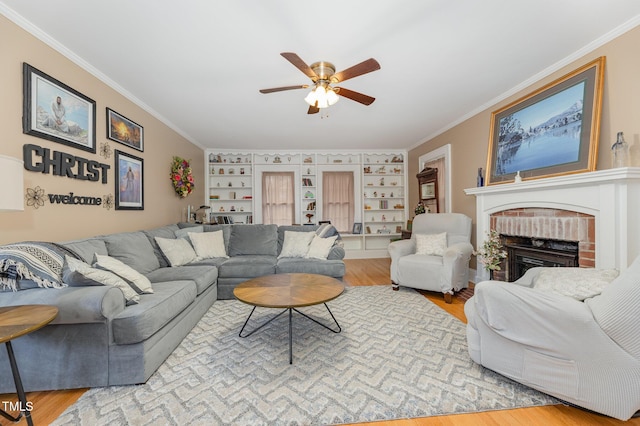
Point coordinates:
pixel 525 253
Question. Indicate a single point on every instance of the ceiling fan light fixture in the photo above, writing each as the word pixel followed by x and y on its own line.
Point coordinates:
pixel 322 96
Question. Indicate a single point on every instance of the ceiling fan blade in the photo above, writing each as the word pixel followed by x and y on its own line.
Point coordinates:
pixel 363 67
pixel 297 62
pixel 280 89
pixel 313 109
pixel 354 96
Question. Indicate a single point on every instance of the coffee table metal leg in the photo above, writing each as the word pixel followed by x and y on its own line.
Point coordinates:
pixel 290 336
pixel 258 328
pixel 318 322
pixel 24 409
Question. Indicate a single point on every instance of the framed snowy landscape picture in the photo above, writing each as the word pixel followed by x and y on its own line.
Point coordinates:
pixel 552 131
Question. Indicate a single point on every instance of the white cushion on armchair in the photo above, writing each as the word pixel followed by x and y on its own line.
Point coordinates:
pixel 436 258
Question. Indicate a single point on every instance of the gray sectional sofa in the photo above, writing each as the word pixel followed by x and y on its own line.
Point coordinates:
pixel 98 339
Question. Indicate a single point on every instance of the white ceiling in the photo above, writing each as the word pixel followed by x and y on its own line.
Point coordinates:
pixel 198 64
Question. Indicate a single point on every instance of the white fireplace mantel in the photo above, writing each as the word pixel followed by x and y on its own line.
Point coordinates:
pixel 612 196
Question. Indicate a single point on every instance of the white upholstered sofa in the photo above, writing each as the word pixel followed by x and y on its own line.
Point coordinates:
pixel 586 353
pixel 436 258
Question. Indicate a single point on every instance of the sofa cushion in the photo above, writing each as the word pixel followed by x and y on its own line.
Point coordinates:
pixel 226 233
pixel 184 232
pixel 282 230
pixel 87 248
pixel 178 251
pixel 247 266
pixel 320 247
pixel 133 249
pixel 204 276
pixel 79 274
pixel 253 240
pixel 331 268
pixel 139 322
pixel 208 245
pixel 135 279
pixel 162 232
pixel 296 244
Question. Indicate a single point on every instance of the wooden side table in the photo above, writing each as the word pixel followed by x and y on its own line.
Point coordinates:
pixel 16 321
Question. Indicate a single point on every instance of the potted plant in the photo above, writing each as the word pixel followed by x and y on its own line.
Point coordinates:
pixel 491 253
pixel 420 209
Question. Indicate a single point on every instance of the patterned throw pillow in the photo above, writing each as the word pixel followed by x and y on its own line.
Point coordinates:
pixel 431 244
pixel 78 273
pixel 135 279
pixel 320 247
pixel 328 230
pixel 208 245
pixel 31 262
pixel 177 251
pixel 296 244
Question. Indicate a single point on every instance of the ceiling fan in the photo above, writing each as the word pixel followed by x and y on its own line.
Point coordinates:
pixel 323 75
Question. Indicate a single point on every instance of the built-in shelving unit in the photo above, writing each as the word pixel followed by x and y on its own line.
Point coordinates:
pixel 230 188
pixel 384 202
pixel 380 191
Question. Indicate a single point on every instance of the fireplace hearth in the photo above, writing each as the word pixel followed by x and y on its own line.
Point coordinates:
pixel 524 253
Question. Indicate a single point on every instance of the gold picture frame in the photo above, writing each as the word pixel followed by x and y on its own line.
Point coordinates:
pixel 550 132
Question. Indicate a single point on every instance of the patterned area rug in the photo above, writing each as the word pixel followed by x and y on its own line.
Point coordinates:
pixel 398 356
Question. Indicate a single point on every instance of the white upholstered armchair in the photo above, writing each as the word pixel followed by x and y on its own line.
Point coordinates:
pixel 436 258
pixel 586 352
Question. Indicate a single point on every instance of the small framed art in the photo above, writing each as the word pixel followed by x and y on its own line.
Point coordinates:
pixel 129 182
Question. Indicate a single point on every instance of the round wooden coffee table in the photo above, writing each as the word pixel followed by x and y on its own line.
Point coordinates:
pixel 288 292
pixel 16 321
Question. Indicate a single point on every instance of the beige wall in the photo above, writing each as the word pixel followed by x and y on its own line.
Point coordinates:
pixel 65 222
pixel 621 112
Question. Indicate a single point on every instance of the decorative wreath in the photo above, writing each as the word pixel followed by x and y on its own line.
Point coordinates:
pixel 181 177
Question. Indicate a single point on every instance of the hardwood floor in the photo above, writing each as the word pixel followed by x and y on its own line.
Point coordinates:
pixel 47 406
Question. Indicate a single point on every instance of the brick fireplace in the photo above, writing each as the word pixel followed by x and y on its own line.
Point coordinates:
pixel 599 211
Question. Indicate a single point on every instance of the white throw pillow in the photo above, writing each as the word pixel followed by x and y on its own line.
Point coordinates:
pixel 320 247
pixel 431 244
pixel 296 244
pixel 578 283
pixel 178 251
pixel 135 279
pixel 208 245
pixel 79 273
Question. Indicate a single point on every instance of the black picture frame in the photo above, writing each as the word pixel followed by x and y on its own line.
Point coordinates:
pixel 122 130
pixel 357 228
pixel 54 111
pixel 553 131
pixel 129 181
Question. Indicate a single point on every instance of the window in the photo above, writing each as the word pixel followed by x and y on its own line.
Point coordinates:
pixel 338 199
pixel 278 198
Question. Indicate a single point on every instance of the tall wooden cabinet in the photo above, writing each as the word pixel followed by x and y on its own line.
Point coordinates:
pixel 428 189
